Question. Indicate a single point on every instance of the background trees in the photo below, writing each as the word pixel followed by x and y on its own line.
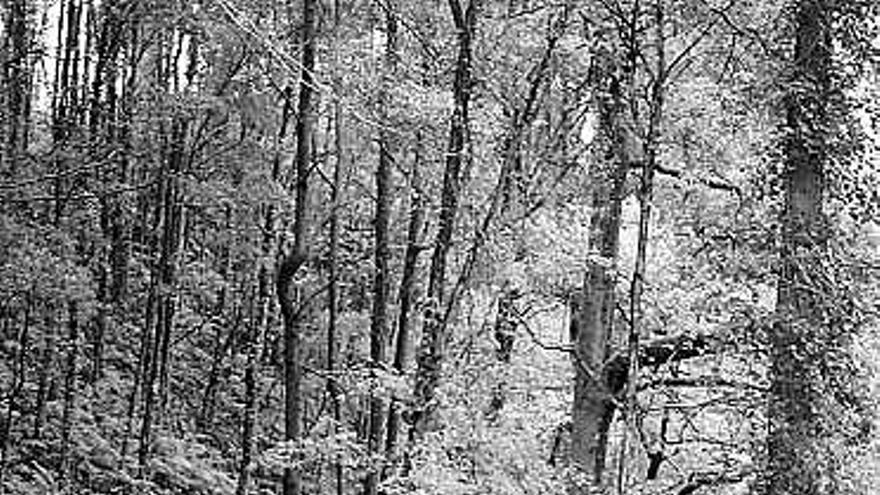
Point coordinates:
pixel 440 247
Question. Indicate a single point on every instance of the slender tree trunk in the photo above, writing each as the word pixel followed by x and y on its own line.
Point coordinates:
pixel 406 294
pixel 18 384
pixel 256 341
pixel 169 224
pixel 382 275
pixel 69 391
pixel 430 355
pixel 298 255
pixel 336 200
pixel 251 384
pixel 221 349
pixel 103 122
pixel 223 346
pixel 792 416
pixel 637 284
pixel 45 378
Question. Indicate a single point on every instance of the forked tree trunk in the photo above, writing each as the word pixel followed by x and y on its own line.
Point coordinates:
pixel 293 260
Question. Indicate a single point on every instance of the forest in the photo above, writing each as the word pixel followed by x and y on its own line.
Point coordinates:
pixel 440 247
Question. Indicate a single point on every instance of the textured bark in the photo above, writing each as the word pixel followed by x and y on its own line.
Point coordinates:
pixel 336 200
pixel 45 381
pixel 19 378
pixel 104 127
pixel 637 283
pixel 381 224
pixel 69 390
pixel 509 199
pixel 406 295
pixel 251 384
pixel 257 338
pixel 16 86
pixel 297 256
pixel 793 419
pixel 170 219
pixel 431 349
pixel 593 308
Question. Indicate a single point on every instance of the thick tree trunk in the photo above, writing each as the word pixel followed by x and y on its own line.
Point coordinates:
pixel 16 86
pixel 593 309
pixel 793 421
pixel 293 260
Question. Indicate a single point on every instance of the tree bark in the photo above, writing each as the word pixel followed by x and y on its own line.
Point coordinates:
pixel 69 391
pixel 406 294
pixel 16 79
pixel 333 289
pixel 593 309
pixel 431 349
pixel 637 283
pixel 297 256
pixel 381 229
pixel 19 378
pixel 257 339
pixel 792 415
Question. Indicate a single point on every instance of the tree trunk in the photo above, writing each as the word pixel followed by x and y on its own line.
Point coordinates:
pixel 430 355
pixel 16 79
pixel 19 378
pixel 45 378
pixel 637 283
pixel 104 123
pixel 406 294
pixel 253 347
pixel 593 309
pixel 792 416
pixel 381 287
pixel 336 200
pixel 69 392
pixel 298 255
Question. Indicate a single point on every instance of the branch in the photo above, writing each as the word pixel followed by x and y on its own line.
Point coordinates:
pixel 657 352
pixel 699 480
pixel 711 184
pixel 703 382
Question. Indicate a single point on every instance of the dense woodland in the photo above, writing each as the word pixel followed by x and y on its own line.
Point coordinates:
pixel 439 247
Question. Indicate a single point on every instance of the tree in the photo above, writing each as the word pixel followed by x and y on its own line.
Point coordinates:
pixel 173 176
pixel 298 255
pixel 430 355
